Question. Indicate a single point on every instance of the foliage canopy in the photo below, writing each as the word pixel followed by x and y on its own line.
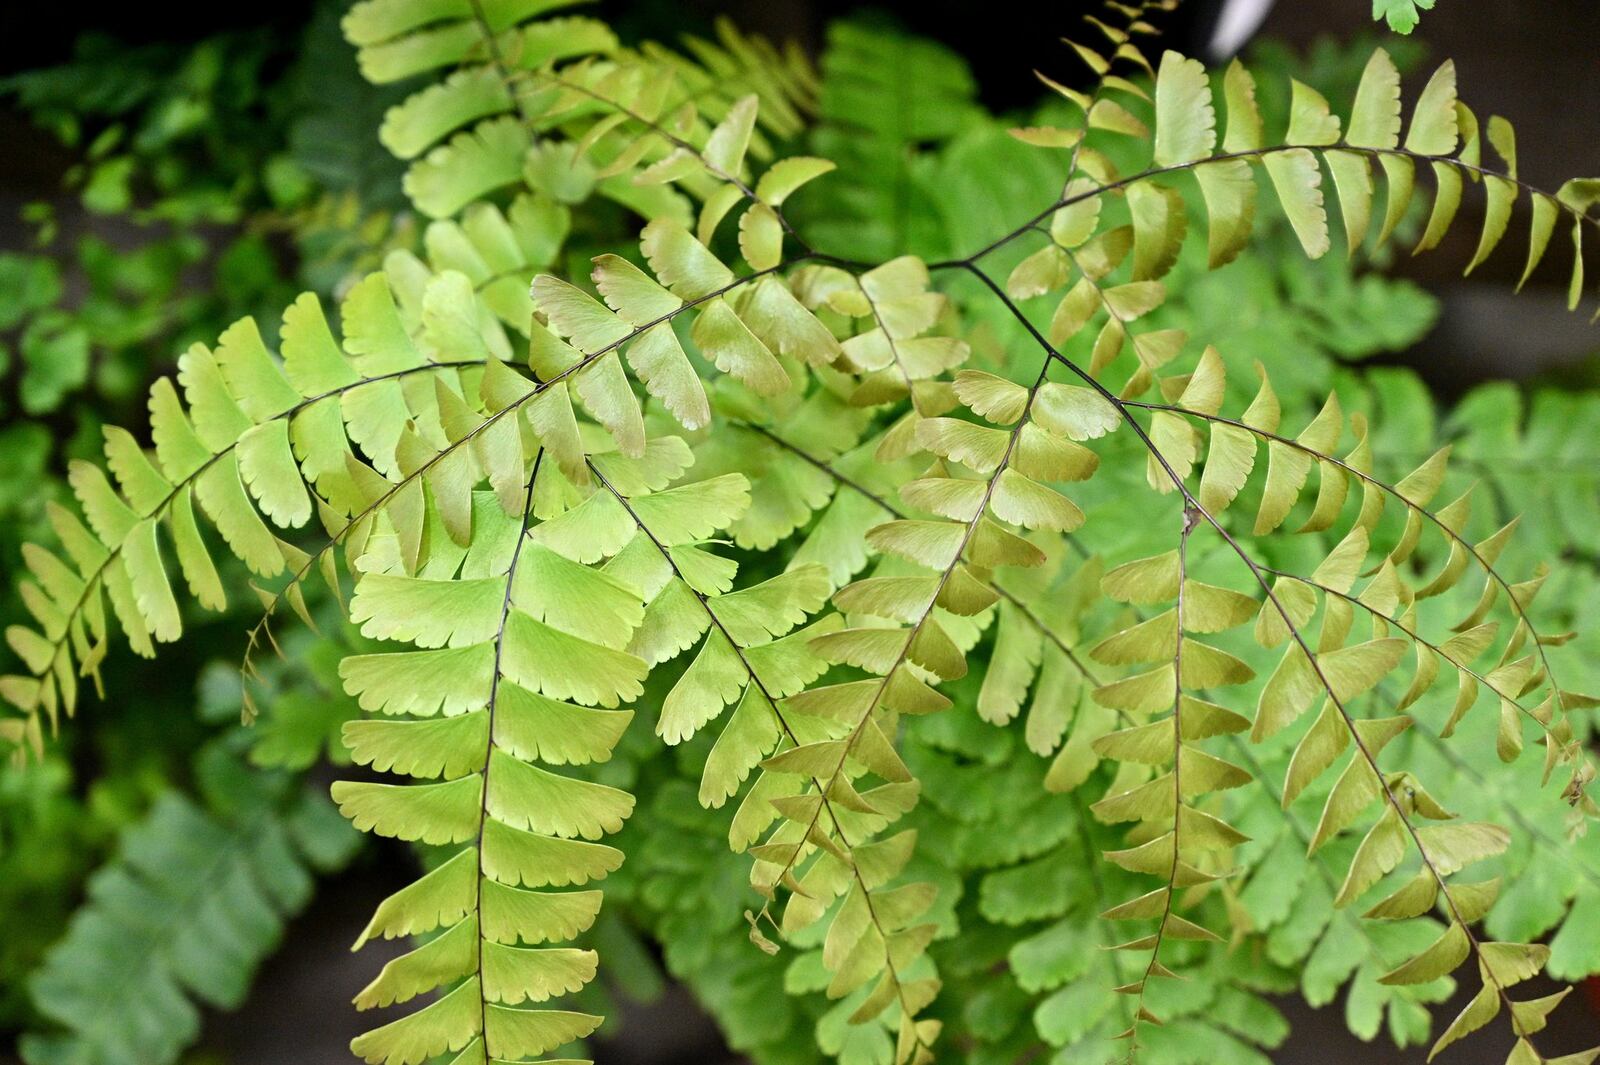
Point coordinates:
pixel 796 486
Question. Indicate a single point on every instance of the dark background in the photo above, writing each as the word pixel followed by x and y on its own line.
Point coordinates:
pixel 1536 60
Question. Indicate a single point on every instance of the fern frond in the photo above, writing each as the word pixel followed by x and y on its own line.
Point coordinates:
pixel 750 658
pixel 1342 673
pixel 1193 851
pixel 253 435
pixel 886 96
pixel 1443 133
pixel 643 132
pixel 178 921
pixel 1185 137
pixel 1290 899
pixel 515 85
pixel 533 678
pixel 1413 494
pixel 898 308
pixel 535 546
pixel 1027 646
pixel 464 133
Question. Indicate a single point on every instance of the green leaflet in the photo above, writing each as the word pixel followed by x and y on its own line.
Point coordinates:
pixel 1375 115
pixel 1185 122
pixel 1433 121
pixel 1298 181
pixel 1229 189
pixel 1402 15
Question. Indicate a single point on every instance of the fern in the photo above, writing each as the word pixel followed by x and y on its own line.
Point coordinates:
pixel 542 545
pixel 478 131
pixel 887 98
pixel 1401 15
pixel 1502 431
pixel 192 903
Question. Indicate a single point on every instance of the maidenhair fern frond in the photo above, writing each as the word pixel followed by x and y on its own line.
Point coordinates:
pixel 775 492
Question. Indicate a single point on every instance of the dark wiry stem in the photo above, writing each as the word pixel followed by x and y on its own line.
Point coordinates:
pixel 1254 153
pixel 1260 576
pixel 1416 636
pixel 783 724
pixel 488 751
pixel 944 579
pixel 882 503
pixel 1152 966
pixel 1367 478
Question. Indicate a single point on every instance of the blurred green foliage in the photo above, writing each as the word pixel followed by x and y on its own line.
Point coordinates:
pixel 195 897
pixel 214 180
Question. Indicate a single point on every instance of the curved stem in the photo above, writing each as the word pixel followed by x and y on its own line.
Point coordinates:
pixel 856 486
pixel 944 579
pixel 92 579
pixel 1383 486
pixel 1243 752
pixel 1153 965
pixel 489 744
pixel 1260 576
pixel 1414 635
pixel 783 725
pixel 1254 153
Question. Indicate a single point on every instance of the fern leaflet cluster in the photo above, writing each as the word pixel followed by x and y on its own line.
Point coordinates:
pixel 546 543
